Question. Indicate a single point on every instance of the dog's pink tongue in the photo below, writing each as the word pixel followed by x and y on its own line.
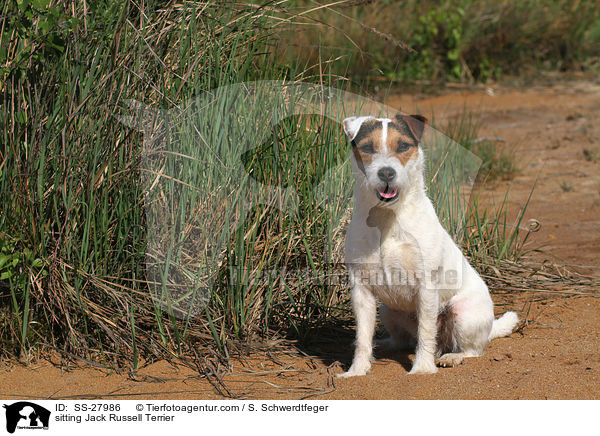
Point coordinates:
pixel 388 194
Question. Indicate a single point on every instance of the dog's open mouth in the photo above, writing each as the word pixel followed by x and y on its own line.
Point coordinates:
pixel 387 194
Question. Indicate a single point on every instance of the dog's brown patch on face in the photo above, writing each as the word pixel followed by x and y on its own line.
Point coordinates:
pixel 403 136
pixel 367 143
pixel 401 142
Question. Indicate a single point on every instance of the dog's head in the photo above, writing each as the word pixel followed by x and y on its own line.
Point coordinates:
pixel 386 152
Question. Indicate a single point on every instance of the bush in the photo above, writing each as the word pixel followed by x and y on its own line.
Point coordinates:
pixel 451 40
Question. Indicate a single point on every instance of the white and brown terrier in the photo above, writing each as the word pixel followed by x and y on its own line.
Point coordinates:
pixel 398 252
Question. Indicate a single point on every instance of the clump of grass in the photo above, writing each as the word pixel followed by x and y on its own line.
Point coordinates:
pixel 493 236
pixel 497 162
pixel 486 233
pixel 73 273
pixel 566 186
pixel 591 155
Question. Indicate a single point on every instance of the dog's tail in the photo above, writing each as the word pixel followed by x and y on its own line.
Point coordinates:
pixel 504 325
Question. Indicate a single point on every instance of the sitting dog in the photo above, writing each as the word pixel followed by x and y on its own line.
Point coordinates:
pixel 398 252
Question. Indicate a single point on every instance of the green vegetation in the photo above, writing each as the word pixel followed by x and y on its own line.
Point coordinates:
pixel 452 40
pixel 72 218
pixel 496 162
pixel 78 204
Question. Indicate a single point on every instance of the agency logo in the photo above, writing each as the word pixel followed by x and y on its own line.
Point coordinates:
pixel 26 415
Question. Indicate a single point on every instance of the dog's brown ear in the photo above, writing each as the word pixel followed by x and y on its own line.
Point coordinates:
pixel 416 124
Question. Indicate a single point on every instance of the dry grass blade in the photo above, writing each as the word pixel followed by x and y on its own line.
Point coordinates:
pixel 546 277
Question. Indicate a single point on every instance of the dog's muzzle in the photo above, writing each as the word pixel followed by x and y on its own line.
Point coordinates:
pixel 387 193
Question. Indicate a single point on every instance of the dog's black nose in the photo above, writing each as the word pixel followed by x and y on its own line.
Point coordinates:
pixel 386 174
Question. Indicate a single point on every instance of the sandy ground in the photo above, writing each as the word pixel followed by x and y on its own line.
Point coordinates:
pixel 555 134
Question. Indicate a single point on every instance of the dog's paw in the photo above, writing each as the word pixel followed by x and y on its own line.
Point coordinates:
pixel 423 368
pixel 356 370
pixel 351 373
pixel 451 359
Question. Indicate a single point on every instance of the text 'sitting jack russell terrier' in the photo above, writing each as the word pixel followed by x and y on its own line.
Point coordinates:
pixel 398 252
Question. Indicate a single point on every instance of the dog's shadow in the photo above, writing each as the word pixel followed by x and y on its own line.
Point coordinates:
pixel 335 344
pixel 399 355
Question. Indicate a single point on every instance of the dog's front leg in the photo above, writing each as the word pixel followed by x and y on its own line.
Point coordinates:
pixel 427 313
pixel 365 310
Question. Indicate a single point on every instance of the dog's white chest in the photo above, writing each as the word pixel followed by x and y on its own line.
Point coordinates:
pixel 385 259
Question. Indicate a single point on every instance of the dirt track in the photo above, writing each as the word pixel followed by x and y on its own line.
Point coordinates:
pixel 556 356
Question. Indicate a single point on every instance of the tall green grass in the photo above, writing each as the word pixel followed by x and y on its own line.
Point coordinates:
pixel 488 233
pixel 72 221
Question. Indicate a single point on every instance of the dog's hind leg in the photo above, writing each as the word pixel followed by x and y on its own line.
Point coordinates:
pixel 472 322
pixel 401 326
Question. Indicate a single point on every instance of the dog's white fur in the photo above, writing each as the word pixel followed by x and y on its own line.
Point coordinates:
pixel 410 238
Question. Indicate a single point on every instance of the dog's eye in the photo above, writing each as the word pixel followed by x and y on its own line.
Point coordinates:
pixel 403 146
pixel 367 148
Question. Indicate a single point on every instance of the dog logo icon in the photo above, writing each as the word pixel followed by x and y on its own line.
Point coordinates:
pixel 26 415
